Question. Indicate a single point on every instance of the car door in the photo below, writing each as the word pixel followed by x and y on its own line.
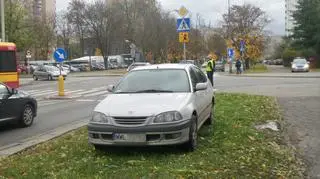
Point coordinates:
pixel 7 105
pixel 208 93
pixel 198 95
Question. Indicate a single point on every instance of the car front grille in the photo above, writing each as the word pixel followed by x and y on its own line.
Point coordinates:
pixel 130 121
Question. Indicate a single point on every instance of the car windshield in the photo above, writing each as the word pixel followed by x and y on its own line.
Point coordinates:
pixel 52 68
pixel 300 61
pixel 3 91
pixel 154 81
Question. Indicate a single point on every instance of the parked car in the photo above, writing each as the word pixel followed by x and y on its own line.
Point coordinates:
pixel 17 106
pixel 220 66
pixel 49 73
pixel 300 64
pixel 154 105
pixel 136 64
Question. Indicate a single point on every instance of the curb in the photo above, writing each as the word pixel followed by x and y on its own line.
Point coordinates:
pixel 14 148
pixel 270 76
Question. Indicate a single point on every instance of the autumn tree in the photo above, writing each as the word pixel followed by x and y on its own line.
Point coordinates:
pixel 247 22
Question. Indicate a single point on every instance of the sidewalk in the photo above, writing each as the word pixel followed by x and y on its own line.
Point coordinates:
pixel 280 75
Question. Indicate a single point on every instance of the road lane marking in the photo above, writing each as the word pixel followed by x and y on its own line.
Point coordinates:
pixel 96 94
pixel 90 91
pixel 85 100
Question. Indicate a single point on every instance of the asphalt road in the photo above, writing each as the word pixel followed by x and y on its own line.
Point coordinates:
pixel 298 97
pixel 56 113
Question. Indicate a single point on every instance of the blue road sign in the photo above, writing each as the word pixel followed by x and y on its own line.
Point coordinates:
pixel 242 45
pixel 60 55
pixel 183 25
pixel 230 52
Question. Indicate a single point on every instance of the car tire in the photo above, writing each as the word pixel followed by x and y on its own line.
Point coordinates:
pixel 49 77
pixel 191 145
pixel 27 116
pixel 35 78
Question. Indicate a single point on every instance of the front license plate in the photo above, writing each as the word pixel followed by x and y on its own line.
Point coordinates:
pixel 129 137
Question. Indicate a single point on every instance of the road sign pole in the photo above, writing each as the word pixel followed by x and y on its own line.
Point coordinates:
pixel 184 51
pixel 3 29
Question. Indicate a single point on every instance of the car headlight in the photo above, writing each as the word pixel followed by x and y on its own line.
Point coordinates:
pixel 306 66
pixel 100 118
pixel 165 117
pixel 294 66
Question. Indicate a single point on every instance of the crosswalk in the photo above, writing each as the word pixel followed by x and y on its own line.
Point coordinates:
pixel 83 93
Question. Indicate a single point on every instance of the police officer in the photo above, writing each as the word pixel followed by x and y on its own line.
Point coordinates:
pixel 210 69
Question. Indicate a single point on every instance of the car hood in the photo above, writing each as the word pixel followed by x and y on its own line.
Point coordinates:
pixel 142 104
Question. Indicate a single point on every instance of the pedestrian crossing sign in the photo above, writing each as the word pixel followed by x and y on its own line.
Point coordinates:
pixel 183 25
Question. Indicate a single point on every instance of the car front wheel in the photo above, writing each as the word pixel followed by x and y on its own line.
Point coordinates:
pixel 27 116
pixel 35 78
pixel 191 145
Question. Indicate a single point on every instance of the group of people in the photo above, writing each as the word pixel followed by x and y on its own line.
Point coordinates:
pixel 210 68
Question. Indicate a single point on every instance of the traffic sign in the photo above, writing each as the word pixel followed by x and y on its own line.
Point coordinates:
pixel 230 52
pixel 242 45
pixel 28 55
pixel 183 11
pixel 184 37
pixel 60 55
pixel 183 25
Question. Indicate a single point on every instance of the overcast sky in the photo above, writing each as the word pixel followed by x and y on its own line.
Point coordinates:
pixel 211 10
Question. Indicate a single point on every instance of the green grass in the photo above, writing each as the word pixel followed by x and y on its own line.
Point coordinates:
pixel 230 149
pixel 259 68
pixel 315 69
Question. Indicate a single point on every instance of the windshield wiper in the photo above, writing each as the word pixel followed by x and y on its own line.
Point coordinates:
pixel 154 91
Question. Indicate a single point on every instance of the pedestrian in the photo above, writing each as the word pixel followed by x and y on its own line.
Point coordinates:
pixel 238 66
pixel 210 69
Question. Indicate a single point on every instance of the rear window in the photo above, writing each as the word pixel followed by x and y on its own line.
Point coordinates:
pixel 8 61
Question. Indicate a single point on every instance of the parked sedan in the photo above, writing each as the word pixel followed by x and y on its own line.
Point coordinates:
pixel 17 106
pixel 300 64
pixel 48 72
pixel 220 66
pixel 154 105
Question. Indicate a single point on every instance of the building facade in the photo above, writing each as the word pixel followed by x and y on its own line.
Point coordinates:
pixel 41 9
pixel 290 6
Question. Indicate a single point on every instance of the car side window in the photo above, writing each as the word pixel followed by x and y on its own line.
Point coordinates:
pixel 194 78
pixel 200 75
pixel 3 91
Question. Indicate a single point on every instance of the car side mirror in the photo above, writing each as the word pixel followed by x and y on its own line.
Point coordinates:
pixel 201 86
pixel 110 88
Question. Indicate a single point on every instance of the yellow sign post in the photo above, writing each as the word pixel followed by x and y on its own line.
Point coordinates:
pixel 184 37
pixel 183 11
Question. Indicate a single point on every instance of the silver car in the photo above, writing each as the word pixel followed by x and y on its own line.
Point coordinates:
pixel 48 72
pixel 154 105
pixel 300 64
pixel 137 64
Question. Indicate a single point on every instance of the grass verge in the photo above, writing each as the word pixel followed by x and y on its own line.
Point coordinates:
pixel 259 68
pixel 230 149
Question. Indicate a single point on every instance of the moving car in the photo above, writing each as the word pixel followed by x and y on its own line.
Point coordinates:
pixel 48 72
pixel 154 105
pixel 300 64
pixel 136 64
pixel 17 106
pixel 219 66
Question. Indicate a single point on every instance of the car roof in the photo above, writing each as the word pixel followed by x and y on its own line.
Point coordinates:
pixel 164 66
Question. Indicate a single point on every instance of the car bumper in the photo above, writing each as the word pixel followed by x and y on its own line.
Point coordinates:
pixel 155 135
pixel 299 69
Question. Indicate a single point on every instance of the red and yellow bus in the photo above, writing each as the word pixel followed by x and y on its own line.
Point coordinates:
pixel 8 64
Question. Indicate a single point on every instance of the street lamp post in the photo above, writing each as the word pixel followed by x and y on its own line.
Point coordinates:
pixel 3 32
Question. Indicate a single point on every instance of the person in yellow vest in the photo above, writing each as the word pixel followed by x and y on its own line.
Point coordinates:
pixel 210 69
